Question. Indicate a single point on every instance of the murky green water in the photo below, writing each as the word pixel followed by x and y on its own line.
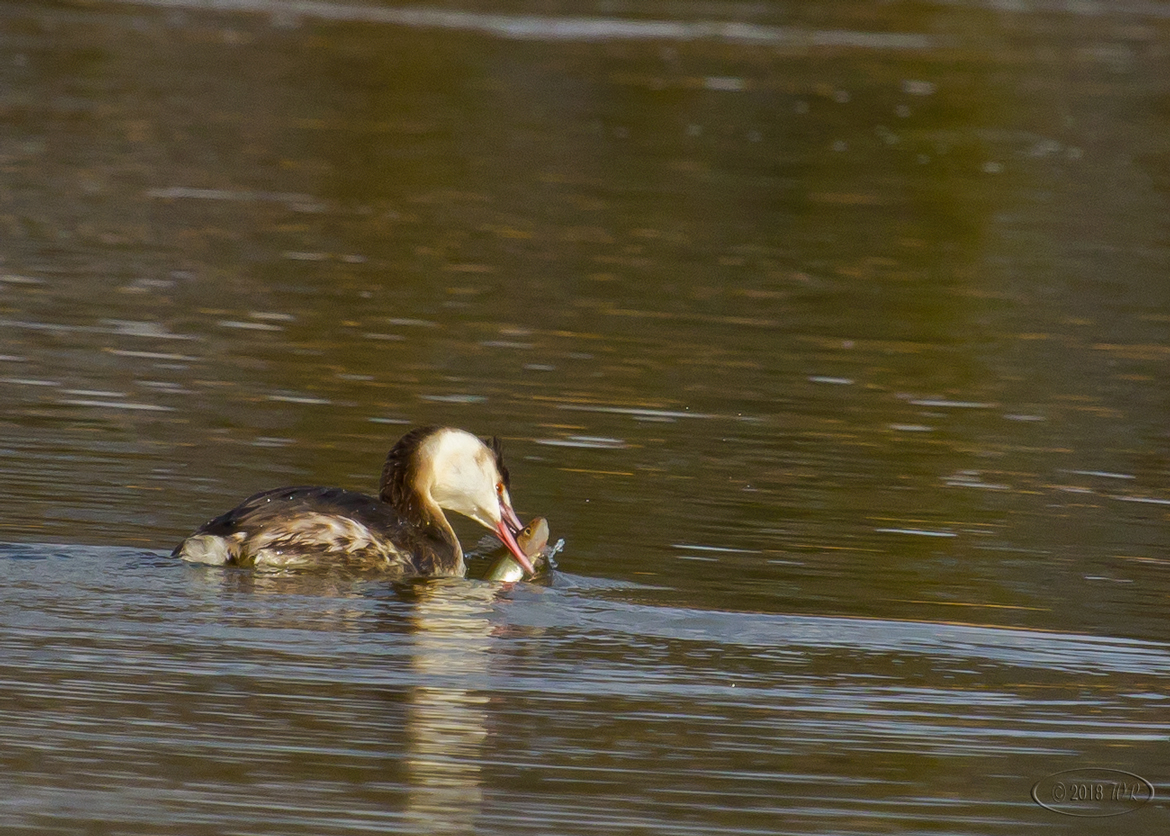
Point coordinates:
pixel 832 338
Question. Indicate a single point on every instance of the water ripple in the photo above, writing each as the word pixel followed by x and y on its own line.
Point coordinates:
pixel 549 28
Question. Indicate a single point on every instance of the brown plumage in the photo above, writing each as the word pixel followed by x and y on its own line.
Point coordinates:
pixel 403 530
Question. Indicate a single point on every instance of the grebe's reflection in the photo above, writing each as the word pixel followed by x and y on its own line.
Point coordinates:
pixel 446 714
pixel 445 636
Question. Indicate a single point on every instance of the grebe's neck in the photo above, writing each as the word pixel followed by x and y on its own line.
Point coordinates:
pixel 406 486
pixel 443 546
pixel 402 484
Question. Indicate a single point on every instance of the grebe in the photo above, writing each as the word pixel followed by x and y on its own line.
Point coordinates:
pixel 403 529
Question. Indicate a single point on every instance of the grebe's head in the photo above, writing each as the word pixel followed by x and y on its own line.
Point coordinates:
pixel 465 475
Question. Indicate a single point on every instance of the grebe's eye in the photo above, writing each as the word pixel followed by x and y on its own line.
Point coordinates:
pixel 499 489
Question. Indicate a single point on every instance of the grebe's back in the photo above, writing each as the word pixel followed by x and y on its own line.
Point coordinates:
pixel 305 526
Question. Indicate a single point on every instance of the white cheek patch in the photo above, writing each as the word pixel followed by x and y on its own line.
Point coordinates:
pixel 463 476
pixel 466 491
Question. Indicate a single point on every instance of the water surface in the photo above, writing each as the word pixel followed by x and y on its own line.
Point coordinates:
pixel 831 337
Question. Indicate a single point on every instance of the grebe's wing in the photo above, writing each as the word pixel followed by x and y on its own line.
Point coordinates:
pixel 292 526
pixel 266 508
